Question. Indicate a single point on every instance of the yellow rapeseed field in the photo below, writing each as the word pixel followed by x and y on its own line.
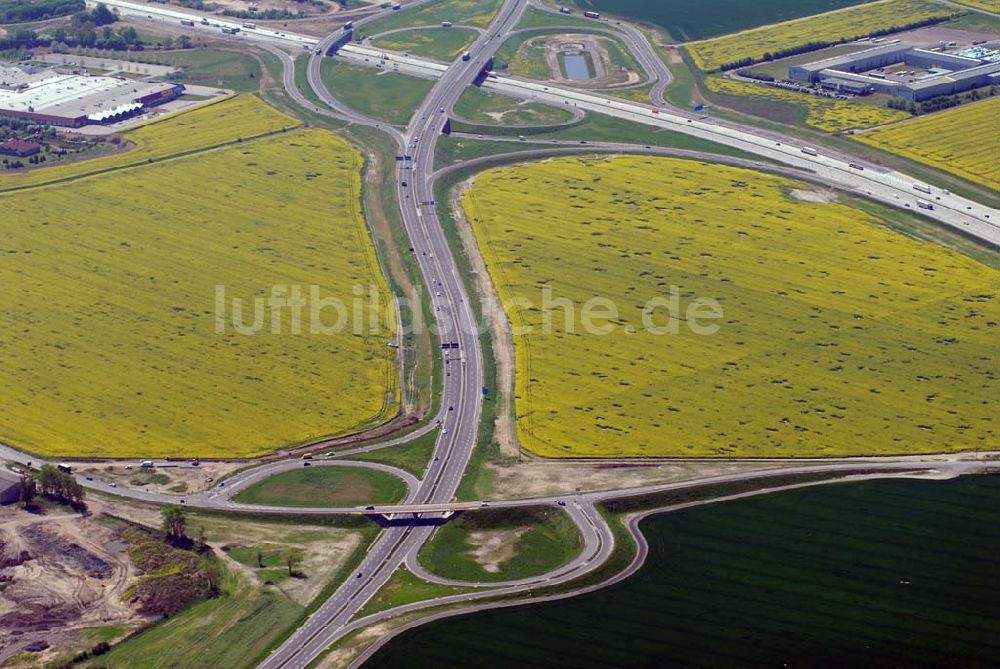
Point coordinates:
pixel 110 344
pixel 988 5
pixel 964 141
pixel 826 114
pixel 843 24
pixel 837 336
pixel 231 119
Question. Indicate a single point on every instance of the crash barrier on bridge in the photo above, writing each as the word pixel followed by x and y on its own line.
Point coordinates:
pixel 410 519
pixel 343 39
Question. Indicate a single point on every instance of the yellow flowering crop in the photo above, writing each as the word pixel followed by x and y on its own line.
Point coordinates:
pixel 240 117
pixel 837 337
pixel 110 344
pixel 844 24
pixel 963 141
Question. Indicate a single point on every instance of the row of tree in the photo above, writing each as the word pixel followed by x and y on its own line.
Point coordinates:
pixel 21 11
pixel 174 528
pixel 943 101
pixel 817 45
pixel 85 30
pixel 54 484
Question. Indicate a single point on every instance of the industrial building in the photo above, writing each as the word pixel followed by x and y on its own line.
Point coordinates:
pixel 72 100
pixel 19 148
pixel 946 73
pixel 10 487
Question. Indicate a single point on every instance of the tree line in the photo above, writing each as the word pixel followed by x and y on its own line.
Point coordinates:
pixel 53 484
pixel 86 29
pixel 823 44
pixel 21 11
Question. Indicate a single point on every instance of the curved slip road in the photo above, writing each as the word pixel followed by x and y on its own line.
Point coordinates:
pixel 463 378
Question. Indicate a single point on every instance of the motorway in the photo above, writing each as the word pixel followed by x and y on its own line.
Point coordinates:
pixel 455 321
pixel 460 408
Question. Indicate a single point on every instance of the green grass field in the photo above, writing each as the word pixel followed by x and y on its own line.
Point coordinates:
pixel 534 18
pixel 324 486
pixel 228 631
pixel 403 588
pixel 460 12
pixel 433 42
pixel 412 457
pixel 697 19
pixel 479 106
pixel 511 543
pixel 390 96
pixel 879 574
pixel 236 70
pixel 596 128
pixel 835 336
pixel 524 53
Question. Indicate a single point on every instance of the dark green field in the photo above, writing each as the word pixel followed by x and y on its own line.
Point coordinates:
pixel 874 574
pixel 697 19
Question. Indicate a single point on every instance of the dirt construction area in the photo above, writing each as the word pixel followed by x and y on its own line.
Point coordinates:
pixel 60 573
pixel 171 478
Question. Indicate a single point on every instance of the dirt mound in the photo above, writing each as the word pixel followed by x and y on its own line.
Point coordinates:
pixel 61 573
pixel 12 553
pixel 72 555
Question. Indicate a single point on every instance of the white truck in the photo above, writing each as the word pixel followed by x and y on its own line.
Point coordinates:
pixel 810 151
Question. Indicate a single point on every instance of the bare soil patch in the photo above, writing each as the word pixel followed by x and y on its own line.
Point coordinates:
pixel 543 478
pixel 325 550
pixel 817 196
pixel 492 548
pixel 60 574
pixel 496 319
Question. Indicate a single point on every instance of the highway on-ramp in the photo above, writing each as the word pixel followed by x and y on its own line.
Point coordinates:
pixel 456 323
pixel 460 410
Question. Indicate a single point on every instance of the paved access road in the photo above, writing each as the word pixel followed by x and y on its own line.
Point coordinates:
pixel 844 172
pixel 455 321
